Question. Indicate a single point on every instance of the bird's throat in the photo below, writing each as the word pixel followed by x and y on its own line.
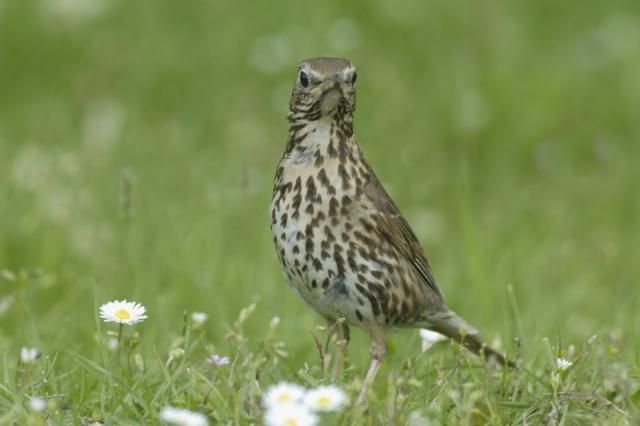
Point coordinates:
pixel 328 136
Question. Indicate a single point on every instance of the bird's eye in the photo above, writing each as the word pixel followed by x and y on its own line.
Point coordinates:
pixel 304 79
pixel 354 77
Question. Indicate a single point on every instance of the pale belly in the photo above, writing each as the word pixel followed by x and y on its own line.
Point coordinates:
pixel 313 264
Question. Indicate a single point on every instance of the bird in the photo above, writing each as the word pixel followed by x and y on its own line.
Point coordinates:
pixel 342 243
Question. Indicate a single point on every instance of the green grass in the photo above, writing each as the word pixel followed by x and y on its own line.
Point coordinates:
pixel 137 147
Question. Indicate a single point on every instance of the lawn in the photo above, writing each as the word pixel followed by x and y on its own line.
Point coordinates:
pixel 138 142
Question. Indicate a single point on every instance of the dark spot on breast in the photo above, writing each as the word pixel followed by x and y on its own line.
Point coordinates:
pixel 359 315
pixel 368 227
pixel 351 261
pixel 375 308
pixel 297 199
pixel 333 207
pixel 337 257
pixel 311 189
pixel 331 150
pixel 322 177
pixel 330 237
pixel 317 264
pixel 381 296
pixel 363 253
pixel 342 146
pixel 344 175
pixel 284 189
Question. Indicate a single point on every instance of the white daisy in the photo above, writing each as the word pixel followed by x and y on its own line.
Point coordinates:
pixel 429 338
pixel 182 417
pixel 563 364
pixel 123 312
pixel 290 414
pixel 199 318
pixel 28 355
pixel 283 393
pixel 325 398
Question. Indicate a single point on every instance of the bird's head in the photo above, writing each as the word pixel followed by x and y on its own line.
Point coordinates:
pixel 324 87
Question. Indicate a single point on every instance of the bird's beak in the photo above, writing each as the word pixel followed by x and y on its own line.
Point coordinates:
pixel 336 82
pixel 332 97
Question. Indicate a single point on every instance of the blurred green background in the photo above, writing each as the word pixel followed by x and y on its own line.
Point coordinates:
pixel 138 141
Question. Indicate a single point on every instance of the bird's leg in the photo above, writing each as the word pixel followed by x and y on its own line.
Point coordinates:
pixel 377 350
pixel 341 348
pixel 325 358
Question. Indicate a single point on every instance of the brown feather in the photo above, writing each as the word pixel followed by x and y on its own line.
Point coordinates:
pixel 397 231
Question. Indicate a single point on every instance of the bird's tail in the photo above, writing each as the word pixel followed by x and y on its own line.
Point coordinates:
pixel 455 327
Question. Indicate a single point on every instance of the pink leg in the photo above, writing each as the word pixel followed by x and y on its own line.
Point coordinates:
pixel 377 350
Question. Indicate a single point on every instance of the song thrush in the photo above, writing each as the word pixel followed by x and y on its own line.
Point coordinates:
pixel 343 245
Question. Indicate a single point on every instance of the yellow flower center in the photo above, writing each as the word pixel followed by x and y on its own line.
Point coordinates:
pixel 323 400
pixel 284 397
pixel 291 422
pixel 123 314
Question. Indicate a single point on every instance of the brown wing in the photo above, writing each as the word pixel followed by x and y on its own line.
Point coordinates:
pixel 396 231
